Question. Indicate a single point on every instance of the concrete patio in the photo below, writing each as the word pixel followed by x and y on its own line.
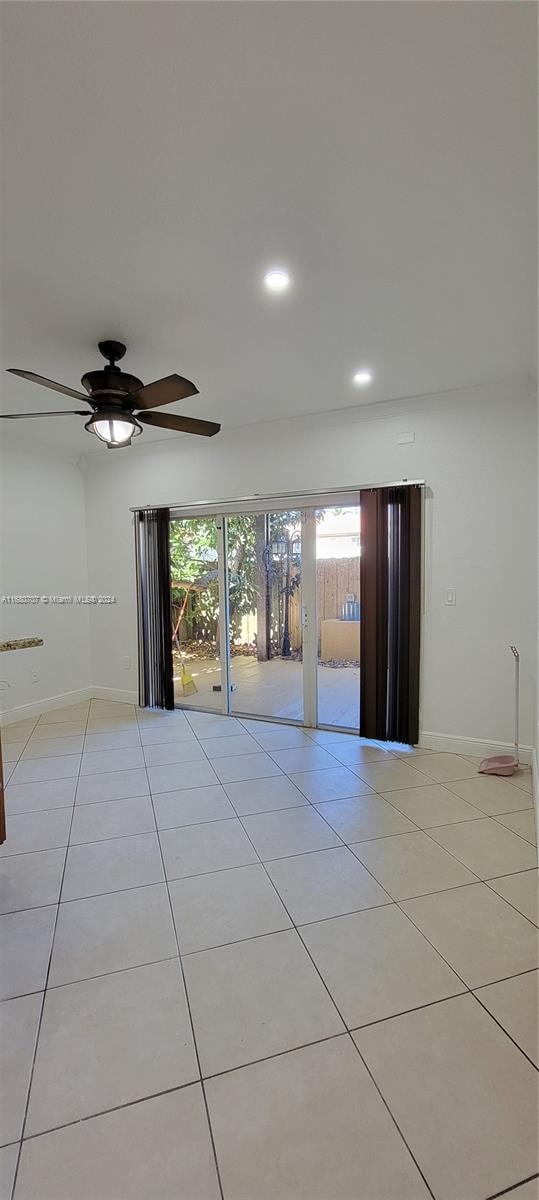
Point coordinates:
pixel 274 689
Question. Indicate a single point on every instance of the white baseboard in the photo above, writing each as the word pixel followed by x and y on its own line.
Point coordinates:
pixel 466 745
pixel 23 711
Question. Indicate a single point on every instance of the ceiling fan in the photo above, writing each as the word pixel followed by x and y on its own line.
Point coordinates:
pixel 113 397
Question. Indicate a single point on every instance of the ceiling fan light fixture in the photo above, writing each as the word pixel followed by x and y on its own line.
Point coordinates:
pixel 115 429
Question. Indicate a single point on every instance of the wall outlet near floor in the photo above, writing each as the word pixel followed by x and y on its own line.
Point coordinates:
pixel 403 439
pixel 126 662
pixel 450 596
pixel 34 676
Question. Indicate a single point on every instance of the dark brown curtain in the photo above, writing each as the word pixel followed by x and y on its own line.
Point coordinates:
pixel 152 555
pixel 390 613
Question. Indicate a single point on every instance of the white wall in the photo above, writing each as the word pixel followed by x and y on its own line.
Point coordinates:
pixel 475 449
pixel 42 552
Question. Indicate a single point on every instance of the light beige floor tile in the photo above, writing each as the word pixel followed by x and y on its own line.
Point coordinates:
pixel 252 796
pixel 61 729
pixel 160 734
pixel 111 707
pixel 256 998
pixel 227 906
pixel 326 737
pixel 477 933
pixel 122 739
pixel 53 747
pixel 25 944
pixel 285 738
pixel 30 880
pixel 110 933
pixel 112 785
pixel 110 1041
pixel 376 964
pixel 526 1191
pixel 112 818
pixel 69 712
pixel 154 716
pixel 96 761
pixel 445 767
pixel 522 823
pixel 36 831
pixel 33 797
pixel 8 1163
pixel 453 1079
pixel 160 1148
pixel 213 846
pixel 523 779
pixel 490 794
pixel 520 890
pixel 225 747
pixel 207 725
pixel 327 883
pixel 486 847
pixel 11 751
pixel 303 758
pixel 389 775
pixel 162 754
pixel 432 805
pixel 110 866
pixel 353 753
pixel 175 776
pixel 357 819
pixel 292 831
pixel 109 725
pixel 246 766
pixel 262 728
pixel 411 864
pixel 18 1032
pixel 309 1124
pixel 18 730
pixel 515 1005
pixel 333 783
pixel 36 770
pixel 192 806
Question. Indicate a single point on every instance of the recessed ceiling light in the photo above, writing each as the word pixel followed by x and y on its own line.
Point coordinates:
pixel 277 280
pixel 362 378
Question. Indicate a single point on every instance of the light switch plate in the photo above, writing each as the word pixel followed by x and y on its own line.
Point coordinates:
pixel 450 596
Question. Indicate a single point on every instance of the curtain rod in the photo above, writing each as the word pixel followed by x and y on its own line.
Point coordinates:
pixel 258 496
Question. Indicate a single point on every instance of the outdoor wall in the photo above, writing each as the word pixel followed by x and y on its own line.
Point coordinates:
pixel 477 452
pixel 42 552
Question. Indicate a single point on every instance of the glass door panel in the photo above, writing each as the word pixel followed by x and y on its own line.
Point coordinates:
pixel 195 612
pixel 338 615
pixel 264 589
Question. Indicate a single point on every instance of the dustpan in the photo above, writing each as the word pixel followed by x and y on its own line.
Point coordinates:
pixel 505 764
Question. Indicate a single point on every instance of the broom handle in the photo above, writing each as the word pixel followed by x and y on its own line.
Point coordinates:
pixel 516 656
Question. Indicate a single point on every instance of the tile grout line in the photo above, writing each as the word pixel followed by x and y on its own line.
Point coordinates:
pixel 42 1008
pixel 188 1006
pixel 508 1191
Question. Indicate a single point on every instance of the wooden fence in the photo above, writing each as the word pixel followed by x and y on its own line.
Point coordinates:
pixel 336 578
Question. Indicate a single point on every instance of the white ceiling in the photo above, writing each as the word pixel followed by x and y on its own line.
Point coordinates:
pixel 158 157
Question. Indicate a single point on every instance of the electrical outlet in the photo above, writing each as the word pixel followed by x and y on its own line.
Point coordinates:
pixel 126 662
pixel 34 676
pixel 450 596
pixel 403 439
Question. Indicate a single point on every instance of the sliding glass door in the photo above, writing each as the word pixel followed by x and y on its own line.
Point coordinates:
pixel 265 614
pixel 196 625
pixel 338 615
pixel 264 572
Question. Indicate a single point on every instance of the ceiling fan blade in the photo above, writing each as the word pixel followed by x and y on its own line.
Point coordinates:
pixel 179 424
pixel 165 391
pixel 64 412
pixel 48 383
